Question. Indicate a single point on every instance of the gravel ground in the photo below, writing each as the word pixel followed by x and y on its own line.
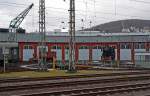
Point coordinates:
pixel 65 80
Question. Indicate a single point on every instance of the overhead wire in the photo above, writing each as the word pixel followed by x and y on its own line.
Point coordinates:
pixel 100 12
pixel 81 13
pixel 141 1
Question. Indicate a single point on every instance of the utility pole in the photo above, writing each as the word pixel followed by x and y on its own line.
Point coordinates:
pixel 72 37
pixel 42 31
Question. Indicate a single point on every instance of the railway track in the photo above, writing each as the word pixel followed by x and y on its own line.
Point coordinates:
pixel 70 77
pixel 74 83
pixel 98 91
pixel 77 80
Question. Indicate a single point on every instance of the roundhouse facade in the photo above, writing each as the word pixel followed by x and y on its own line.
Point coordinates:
pixel 88 46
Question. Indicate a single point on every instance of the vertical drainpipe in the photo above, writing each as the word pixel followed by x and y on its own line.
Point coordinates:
pixel 35 50
pixel 90 54
pixel 63 53
pixel 76 53
pixel 132 53
pixel 49 50
pixel 147 50
pixel 147 46
pixel 21 46
pixel 118 54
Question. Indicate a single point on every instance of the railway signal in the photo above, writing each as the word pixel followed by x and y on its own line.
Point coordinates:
pixel 5 56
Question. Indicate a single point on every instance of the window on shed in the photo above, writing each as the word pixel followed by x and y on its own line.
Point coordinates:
pixel 25 47
pixel 141 45
pixel 54 47
pixel 81 47
pixel 84 47
pixel 28 47
pixel 66 47
pixel 15 51
pixel 125 46
pixel 136 46
pixel 122 46
pixel 58 47
pixel 95 47
pixel 99 47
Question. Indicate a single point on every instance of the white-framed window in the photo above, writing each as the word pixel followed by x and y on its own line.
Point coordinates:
pixel 125 46
pixel 28 47
pixel 139 45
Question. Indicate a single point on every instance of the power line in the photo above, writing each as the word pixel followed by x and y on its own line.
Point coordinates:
pixel 19 4
pixel 81 13
pixel 141 1
pixel 102 12
pixel 88 11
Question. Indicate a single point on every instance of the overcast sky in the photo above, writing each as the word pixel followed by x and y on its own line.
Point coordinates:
pixel 96 11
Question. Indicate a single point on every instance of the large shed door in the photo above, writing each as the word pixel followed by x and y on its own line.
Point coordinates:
pixel 125 54
pixel 58 51
pixel 27 54
pixel 84 54
pixel 96 54
pixel 66 54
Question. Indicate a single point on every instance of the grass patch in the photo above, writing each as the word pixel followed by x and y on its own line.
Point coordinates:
pixel 52 73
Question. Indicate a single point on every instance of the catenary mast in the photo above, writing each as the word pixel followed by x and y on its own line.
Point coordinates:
pixel 42 32
pixel 72 36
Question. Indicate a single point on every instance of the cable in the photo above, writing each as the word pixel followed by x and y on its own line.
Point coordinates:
pixel 141 1
pixel 80 13
pixel 90 11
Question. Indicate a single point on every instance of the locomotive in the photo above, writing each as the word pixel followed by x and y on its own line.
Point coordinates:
pixel 108 54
